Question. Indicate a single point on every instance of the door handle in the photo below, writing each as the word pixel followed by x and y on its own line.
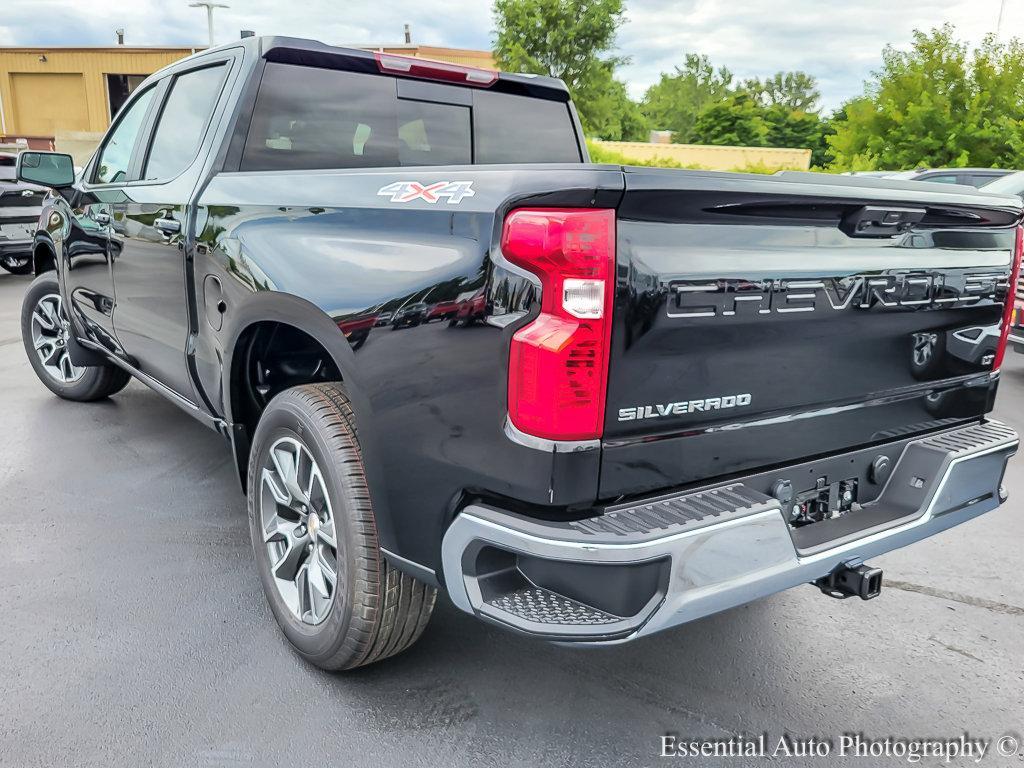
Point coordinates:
pixel 102 218
pixel 168 226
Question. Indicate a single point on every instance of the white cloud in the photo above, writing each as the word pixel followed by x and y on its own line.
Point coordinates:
pixel 838 42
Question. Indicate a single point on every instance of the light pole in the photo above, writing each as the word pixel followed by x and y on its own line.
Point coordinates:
pixel 209 6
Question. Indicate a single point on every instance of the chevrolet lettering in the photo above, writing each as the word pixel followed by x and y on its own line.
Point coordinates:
pixel 734 297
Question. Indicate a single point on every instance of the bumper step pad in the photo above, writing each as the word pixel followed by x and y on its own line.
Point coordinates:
pixel 971 439
pixel 542 606
pixel 677 512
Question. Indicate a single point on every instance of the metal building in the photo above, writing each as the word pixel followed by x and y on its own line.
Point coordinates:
pixel 45 91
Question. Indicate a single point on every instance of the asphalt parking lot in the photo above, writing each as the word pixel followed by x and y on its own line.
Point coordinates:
pixel 134 631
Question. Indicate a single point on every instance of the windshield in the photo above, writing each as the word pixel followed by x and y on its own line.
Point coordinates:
pixel 7 167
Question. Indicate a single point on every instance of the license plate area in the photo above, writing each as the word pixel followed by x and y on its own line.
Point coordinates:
pixel 16 232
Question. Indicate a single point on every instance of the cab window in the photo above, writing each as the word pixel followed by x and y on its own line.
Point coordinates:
pixel 112 166
pixel 183 120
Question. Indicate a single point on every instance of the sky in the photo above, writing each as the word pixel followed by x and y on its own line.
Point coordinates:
pixel 840 43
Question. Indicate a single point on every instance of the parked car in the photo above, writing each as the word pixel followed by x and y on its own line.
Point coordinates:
pixel 469 307
pixel 357 327
pixel 972 177
pixel 672 416
pixel 442 310
pixel 1011 184
pixel 409 316
pixel 384 318
pixel 20 205
pixel 879 174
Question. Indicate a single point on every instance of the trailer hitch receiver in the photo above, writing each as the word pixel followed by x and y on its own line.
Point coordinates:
pixel 852 579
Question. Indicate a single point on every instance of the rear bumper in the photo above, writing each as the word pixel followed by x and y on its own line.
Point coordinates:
pixel 636 570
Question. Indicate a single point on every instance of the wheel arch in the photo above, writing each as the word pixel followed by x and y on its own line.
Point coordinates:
pixel 296 315
pixel 44 255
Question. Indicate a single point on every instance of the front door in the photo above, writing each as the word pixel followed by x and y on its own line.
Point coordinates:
pixel 86 253
pixel 149 231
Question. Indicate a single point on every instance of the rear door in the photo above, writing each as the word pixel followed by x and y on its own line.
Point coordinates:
pixel 756 324
pixel 149 227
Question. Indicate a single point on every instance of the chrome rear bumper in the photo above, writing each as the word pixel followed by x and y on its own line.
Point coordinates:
pixel 637 570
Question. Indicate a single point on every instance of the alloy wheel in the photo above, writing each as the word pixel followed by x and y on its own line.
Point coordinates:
pixel 298 530
pixel 50 333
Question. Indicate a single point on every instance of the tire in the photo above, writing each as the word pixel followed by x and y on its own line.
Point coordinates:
pixel 24 268
pixel 373 611
pixel 44 332
pixel 453 323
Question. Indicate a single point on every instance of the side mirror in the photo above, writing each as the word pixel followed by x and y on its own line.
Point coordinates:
pixel 49 169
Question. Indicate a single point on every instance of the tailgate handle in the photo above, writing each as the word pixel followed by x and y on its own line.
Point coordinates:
pixel 880 221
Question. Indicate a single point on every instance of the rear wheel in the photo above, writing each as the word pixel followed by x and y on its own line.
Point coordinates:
pixel 45 332
pixel 314 536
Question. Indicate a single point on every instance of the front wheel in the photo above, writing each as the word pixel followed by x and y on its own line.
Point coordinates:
pixel 45 332
pixel 314 536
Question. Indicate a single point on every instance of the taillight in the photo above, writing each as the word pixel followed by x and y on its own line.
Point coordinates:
pixel 1008 310
pixel 558 366
pixel 426 69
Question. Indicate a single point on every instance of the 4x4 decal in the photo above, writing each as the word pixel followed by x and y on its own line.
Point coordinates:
pixel 407 191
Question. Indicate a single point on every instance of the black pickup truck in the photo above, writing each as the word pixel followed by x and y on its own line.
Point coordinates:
pixel 674 392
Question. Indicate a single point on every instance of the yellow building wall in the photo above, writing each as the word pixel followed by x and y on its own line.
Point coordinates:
pixel 50 90
pixel 714 158
pixel 462 56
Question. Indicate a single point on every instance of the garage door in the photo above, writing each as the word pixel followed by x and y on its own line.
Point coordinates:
pixel 45 103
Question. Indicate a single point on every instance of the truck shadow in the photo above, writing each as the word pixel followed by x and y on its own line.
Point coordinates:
pixel 463 670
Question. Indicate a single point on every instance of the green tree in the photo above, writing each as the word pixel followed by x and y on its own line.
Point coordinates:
pixel 796 91
pixel 606 110
pixel 736 121
pixel 570 40
pixel 673 103
pixel 936 105
pixel 796 128
pixel 995 128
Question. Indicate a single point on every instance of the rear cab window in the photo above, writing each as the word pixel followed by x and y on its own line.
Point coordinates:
pixel 310 118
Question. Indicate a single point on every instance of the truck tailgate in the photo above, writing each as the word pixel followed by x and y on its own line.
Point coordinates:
pixel 762 320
